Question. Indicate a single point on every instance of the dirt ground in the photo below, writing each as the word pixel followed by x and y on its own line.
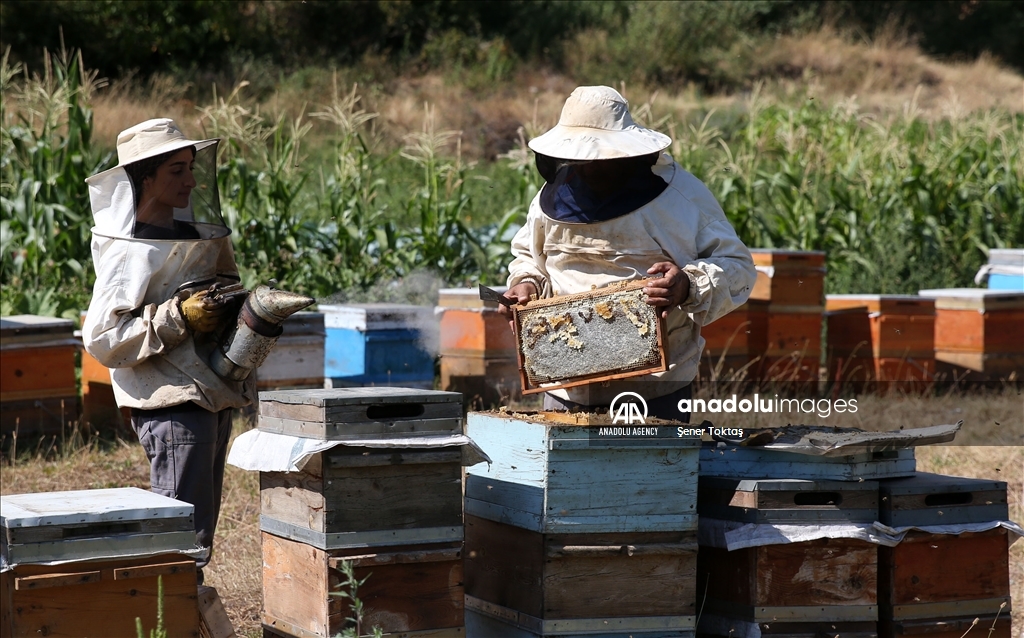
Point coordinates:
pixel 236 569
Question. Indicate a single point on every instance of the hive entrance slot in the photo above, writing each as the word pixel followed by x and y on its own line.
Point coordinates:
pixel 948 498
pixel 102 529
pixel 818 498
pixel 390 411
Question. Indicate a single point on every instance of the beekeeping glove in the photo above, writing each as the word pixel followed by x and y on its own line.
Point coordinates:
pixel 200 314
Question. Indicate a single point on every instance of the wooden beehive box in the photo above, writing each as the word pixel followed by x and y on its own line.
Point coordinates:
pixel 978 330
pixel 915 588
pixel 789 277
pixel 297 359
pixel 735 340
pixel 793 347
pixel 572 584
pixel 478 349
pixel 354 413
pixel 809 582
pixel 410 590
pixel 934 499
pixel 552 477
pixel 358 496
pixel 86 563
pixel 379 344
pixel 759 463
pixel 600 335
pixel 38 393
pixel 787 500
pixel 880 338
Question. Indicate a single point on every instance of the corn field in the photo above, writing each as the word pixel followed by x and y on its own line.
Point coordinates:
pixel 897 203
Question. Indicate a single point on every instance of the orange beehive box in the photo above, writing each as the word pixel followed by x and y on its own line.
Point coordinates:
pixel 978 330
pixel 732 342
pixel 38 392
pixel 880 337
pixel 476 332
pixel 793 343
pixel 478 349
pixel 99 409
pixel 790 277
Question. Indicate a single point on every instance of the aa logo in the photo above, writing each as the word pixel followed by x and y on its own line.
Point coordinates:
pixel 625 410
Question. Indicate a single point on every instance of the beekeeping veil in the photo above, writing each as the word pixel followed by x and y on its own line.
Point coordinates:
pixel 115 195
pixel 195 253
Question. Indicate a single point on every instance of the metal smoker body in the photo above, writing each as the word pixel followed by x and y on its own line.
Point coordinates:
pixel 260 323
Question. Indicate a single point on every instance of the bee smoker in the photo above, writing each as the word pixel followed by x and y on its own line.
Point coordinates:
pixel 260 323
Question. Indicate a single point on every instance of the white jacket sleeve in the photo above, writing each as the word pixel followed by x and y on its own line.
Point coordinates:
pixel 528 259
pixel 121 330
pixel 723 275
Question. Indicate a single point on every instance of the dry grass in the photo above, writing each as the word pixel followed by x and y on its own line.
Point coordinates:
pixel 236 569
pixel 888 75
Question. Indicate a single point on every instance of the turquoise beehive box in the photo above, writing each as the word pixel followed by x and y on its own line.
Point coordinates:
pixel 558 478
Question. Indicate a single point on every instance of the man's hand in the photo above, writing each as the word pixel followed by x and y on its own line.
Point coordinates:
pixel 200 315
pixel 670 289
pixel 519 293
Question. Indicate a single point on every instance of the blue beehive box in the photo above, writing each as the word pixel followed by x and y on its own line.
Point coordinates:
pixel 379 344
pixel 554 477
pixel 1005 269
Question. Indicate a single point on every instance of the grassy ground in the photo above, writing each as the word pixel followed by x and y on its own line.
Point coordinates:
pixel 236 570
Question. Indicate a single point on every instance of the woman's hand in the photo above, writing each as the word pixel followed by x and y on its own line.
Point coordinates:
pixel 669 290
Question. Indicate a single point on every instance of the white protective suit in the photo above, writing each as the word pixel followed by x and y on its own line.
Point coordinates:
pixel 134 324
pixel 684 225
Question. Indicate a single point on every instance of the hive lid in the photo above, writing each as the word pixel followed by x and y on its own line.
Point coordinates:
pixel 1006 257
pixel 466 298
pixel 303 323
pixel 359 396
pixel 378 316
pixel 974 298
pixel 926 483
pixel 88 506
pixel 24 325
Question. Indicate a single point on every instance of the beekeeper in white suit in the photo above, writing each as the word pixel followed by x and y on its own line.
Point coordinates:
pixel 616 207
pixel 158 245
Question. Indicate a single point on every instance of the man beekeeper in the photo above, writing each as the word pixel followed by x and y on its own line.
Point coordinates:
pixel 615 208
pixel 158 245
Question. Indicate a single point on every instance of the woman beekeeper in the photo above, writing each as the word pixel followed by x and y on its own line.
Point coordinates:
pixel 158 245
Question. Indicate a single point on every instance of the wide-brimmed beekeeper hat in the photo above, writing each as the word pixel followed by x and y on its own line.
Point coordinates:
pixel 149 139
pixel 595 124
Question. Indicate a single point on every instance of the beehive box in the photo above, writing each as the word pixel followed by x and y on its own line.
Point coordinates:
pixel 787 500
pixel 977 331
pixel 110 546
pixel 915 590
pixel 827 580
pixel 38 393
pixel 717 625
pixel 588 337
pixel 732 342
pixel 789 277
pixel 358 496
pixel 411 590
pixel 565 583
pixel 478 349
pixel 1007 269
pixel 551 477
pixel 880 338
pixel 297 359
pixel 793 349
pixel 379 344
pixel 758 463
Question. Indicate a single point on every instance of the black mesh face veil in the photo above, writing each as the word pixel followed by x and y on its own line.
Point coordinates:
pixel 189 192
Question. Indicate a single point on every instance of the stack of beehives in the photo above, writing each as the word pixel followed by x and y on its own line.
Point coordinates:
pixel 37 375
pixel 368 476
pixel 570 534
pixel 478 349
pixel 829 549
pixel 776 335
